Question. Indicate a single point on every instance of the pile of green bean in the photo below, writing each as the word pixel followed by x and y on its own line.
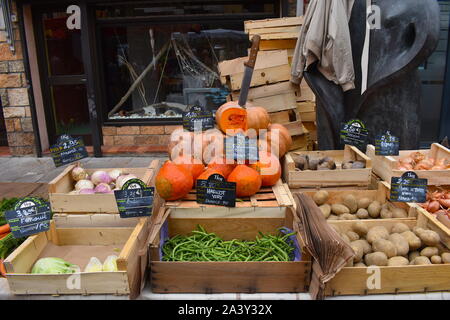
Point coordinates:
pixel 204 246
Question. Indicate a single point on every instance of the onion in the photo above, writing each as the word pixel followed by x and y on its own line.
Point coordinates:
pixel 124 178
pixel 101 177
pixel 433 206
pixel 115 173
pixel 102 188
pixel 84 184
pixel 86 191
pixel 78 173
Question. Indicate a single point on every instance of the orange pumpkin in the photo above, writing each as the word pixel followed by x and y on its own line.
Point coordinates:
pixel 277 136
pixel 248 180
pixel 180 143
pixel 257 118
pixel 173 181
pixel 231 118
pixel 220 164
pixel 194 166
pixel 209 172
pixel 269 167
pixel 214 145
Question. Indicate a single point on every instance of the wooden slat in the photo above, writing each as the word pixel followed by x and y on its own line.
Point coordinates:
pixel 270 23
pixel 277 44
pixel 264 60
pixel 290 32
pixel 263 76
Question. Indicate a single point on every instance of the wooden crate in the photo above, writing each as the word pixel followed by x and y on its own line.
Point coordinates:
pixel 271 202
pixel 306 94
pixel 77 245
pixel 406 279
pixel 385 166
pixel 284 28
pixel 307 111
pixel 328 178
pixel 311 127
pixel 62 202
pixel 222 277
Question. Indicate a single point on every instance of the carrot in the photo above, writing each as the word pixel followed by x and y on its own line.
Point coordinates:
pixel 2 269
pixel 2 235
pixel 5 228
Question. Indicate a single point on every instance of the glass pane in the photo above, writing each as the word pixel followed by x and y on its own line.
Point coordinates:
pixel 189 64
pixel 63 45
pixel 71 111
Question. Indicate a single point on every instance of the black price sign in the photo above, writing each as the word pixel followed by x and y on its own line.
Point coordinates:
pixel 241 148
pixel 408 188
pixel 354 133
pixel 198 118
pixel 216 190
pixel 30 216
pixel 387 145
pixel 135 199
pixel 67 150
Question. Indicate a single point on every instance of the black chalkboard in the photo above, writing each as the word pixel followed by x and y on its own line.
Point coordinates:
pixel 241 148
pixel 216 190
pixel 387 145
pixel 198 119
pixel 135 199
pixel 30 216
pixel 354 133
pixel 67 150
pixel 408 188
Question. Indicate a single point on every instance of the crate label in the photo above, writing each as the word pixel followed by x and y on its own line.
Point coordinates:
pixel 135 199
pixel 197 118
pixel 387 145
pixel 354 133
pixel 408 188
pixel 216 190
pixel 67 150
pixel 241 148
pixel 30 216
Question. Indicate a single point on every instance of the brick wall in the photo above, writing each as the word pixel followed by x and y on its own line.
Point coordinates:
pixel 14 96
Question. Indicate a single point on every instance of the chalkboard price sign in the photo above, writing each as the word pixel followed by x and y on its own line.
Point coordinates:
pixel 198 118
pixel 241 148
pixel 354 133
pixel 387 145
pixel 408 188
pixel 216 190
pixel 30 216
pixel 67 150
pixel 135 199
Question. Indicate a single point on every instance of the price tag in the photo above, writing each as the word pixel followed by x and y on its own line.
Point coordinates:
pixel 408 188
pixel 67 150
pixel 216 190
pixel 387 145
pixel 135 199
pixel 30 216
pixel 241 148
pixel 354 133
pixel 198 118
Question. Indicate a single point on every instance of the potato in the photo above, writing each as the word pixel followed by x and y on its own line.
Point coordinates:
pixel 359 252
pixel 378 232
pixel 445 257
pixel 350 202
pixel 362 214
pixel 385 214
pixel 367 248
pixel 429 238
pixel 376 259
pixel 400 243
pixel 326 210
pixel 336 228
pixel 345 238
pixel 399 228
pixel 363 203
pixel 413 254
pixel 421 260
pixel 333 217
pixel 399 213
pixel 436 260
pixel 348 216
pixel 360 228
pixel 383 245
pixel 353 236
pixel 339 209
pixel 374 209
pixel 429 252
pixel 398 261
pixel 418 230
pixel 414 241
pixel 320 197
pixel 360 264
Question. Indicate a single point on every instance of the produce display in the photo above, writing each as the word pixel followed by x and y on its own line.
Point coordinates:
pixel 438 202
pixel 396 246
pixel 305 162
pixel 419 161
pixel 53 265
pixel 204 246
pixel 352 208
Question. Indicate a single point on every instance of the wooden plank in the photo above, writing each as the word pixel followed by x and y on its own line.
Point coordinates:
pixel 301 141
pixel 276 22
pixel 265 45
pixel 293 31
pixel 269 90
pixel 306 94
pixel 222 212
pixel 308 116
pixel 306 106
pixel 280 35
pixel 100 220
pixel 89 236
pixel 22 259
pixel 263 76
pixel 295 128
pixel 281 117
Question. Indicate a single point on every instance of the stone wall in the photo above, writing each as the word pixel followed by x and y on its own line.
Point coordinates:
pixel 14 96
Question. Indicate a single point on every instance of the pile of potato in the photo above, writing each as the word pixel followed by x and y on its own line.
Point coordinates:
pixel 352 208
pixel 399 246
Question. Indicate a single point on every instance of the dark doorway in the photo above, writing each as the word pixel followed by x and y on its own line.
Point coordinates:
pixel 3 135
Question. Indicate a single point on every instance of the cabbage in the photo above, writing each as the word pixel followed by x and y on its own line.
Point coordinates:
pixel 94 265
pixel 110 263
pixel 54 266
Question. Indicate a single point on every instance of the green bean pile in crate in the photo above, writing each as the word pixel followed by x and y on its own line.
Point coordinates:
pixel 204 246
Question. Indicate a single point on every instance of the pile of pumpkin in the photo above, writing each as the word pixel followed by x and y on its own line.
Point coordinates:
pixel 198 155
